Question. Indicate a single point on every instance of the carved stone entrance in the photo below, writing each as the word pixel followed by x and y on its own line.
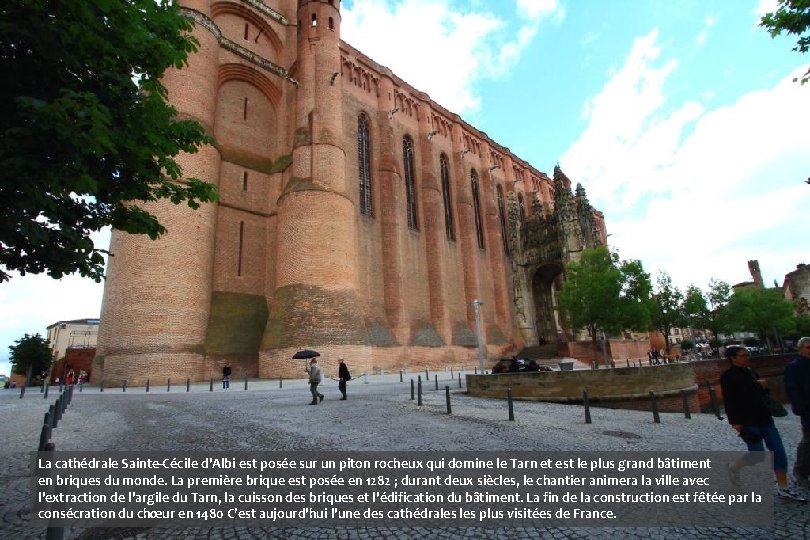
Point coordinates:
pixel 545 284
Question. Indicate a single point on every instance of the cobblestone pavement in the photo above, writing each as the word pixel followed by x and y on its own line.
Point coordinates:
pixel 379 415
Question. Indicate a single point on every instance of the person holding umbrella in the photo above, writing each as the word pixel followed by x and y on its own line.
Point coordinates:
pixel 314 381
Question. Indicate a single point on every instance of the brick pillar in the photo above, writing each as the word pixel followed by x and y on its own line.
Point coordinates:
pixel 157 294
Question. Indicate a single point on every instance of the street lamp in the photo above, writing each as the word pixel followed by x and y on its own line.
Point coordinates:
pixel 479 335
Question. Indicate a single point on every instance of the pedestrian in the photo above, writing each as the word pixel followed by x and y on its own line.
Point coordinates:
pixel 797 384
pixel 344 376
pixel 314 381
pixel 748 415
pixel 226 376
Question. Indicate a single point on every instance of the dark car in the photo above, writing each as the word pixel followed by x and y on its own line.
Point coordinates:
pixel 515 365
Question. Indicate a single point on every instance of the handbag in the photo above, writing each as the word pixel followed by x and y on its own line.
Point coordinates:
pixel 775 408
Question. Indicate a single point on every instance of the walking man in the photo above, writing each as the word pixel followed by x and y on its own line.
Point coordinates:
pixel 343 375
pixel 797 384
pixel 314 381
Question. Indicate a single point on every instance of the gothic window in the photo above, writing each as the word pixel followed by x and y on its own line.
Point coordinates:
pixel 364 166
pixel 502 217
pixel 479 226
pixel 448 201
pixel 410 182
pixel 521 207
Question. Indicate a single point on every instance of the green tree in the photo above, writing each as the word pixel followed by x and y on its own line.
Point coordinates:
pixel 81 139
pixel 717 316
pixel 765 312
pixel 29 351
pixel 793 18
pixel 665 307
pixel 602 293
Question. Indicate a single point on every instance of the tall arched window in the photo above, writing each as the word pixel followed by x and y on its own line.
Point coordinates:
pixel 502 218
pixel 479 226
pixel 448 204
pixel 521 207
pixel 410 183
pixel 364 166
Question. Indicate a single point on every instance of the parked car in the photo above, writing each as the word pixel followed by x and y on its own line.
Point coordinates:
pixel 516 365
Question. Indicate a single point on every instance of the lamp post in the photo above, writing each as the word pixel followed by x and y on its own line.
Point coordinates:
pixel 478 333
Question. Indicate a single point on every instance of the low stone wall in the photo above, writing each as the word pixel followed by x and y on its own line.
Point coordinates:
pixel 630 387
pixel 615 388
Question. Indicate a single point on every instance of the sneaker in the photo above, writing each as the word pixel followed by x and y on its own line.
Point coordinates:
pixel 789 495
pixel 801 482
pixel 733 474
pixel 313 403
pixel 320 397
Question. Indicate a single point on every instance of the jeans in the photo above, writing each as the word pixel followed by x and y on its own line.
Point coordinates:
pixel 313 387
pixel 226 383
pixel 772 439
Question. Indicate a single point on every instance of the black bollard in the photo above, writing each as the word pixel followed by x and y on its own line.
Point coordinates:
pixel 400 375
pixel 52 416
pixel 436 376
pixel 475 371
pixel 47 387
pixel 245 383
pixel 42 386
pixel 412 392
pixel 587 404
pixel 654 405
pixel 419 391
pixel 279 382
pixel 188 385
pixel 686 412
pixel 447 399
pixel 58 405
pixel 147 385
pixel 628 363
pixel 509 404
pixel 427 375
pixel 168 384
pixel 459 380
pixel 45 435
pixel 101 386
pixel 713 400
pixel 211 388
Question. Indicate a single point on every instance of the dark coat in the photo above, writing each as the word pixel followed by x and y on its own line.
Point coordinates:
pixel 742 396
pixel 343 372
pixel 797 384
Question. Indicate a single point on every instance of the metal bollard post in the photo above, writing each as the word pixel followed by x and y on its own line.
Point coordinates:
pixel 188 385
pixel 587 404
pixel 686 412
pixel 279 382
pixel 58 405
pixel 419 391
pixel 509 403
pixel 713 399
pixel 400 375
pixel 654 405
pixel 101 386
pixel 628 363
pixel 436 376
pixel 447 399
pixel 45 435
pixel 168 384
pixel 211 388
pixel 245 383
pixel 365 377
pixel 412 396
pixel 427 375
pixel 475 370
pixel 147 385
pixel 459 380
pixel 47 387
pixel 52 416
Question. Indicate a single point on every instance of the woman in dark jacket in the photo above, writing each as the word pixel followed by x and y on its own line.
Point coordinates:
pixel 748 415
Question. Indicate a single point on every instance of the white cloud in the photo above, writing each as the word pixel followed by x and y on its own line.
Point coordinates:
pixel 453 48
pixel 703 36
pixel 691 190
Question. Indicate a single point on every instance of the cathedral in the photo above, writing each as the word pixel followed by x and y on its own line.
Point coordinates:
pixel 356 217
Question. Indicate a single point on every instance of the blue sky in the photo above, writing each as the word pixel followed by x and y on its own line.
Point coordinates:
pixel 679 118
